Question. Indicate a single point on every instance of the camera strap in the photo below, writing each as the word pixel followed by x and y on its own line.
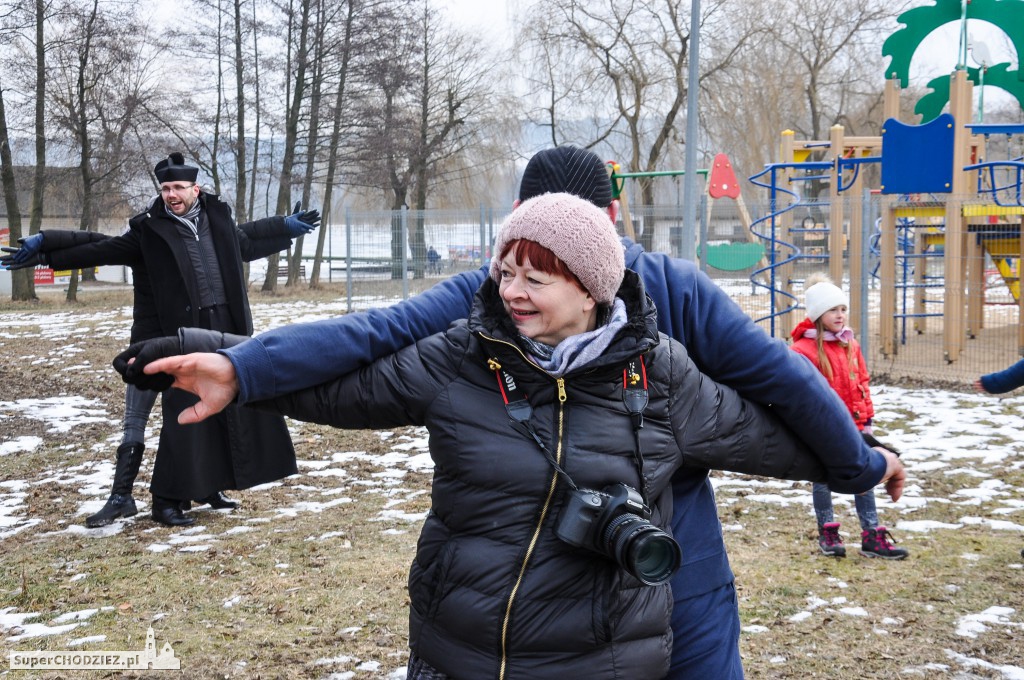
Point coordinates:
pixel 635 398
pixel 520 412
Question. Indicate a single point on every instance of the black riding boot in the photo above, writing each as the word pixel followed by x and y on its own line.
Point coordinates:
pixel 120 503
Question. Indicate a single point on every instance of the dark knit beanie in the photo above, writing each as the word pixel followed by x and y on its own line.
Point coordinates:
pixel 567 169
pixel 173 169
pixel 577 232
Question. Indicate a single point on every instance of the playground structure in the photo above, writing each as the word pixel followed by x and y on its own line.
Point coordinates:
pixel 720 183
pixel 943 205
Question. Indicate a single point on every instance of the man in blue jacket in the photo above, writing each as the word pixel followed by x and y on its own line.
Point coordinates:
pixel 723 342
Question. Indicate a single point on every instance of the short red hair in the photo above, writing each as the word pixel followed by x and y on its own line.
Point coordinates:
pixel 540 259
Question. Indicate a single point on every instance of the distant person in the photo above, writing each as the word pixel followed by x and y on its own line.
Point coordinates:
pixel 433 261
pixel 825 339
pixel 186 255
pixel 720 339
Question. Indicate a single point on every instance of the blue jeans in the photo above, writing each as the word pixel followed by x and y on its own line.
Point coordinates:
pixel 706 637
pixel 867 512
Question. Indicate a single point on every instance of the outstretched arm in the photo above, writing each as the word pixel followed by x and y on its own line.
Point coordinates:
pixel 297 356
pixel 727 346
pixel 294 357
pixel 1002 381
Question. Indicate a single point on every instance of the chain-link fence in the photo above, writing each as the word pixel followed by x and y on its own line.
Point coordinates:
pixel 760 254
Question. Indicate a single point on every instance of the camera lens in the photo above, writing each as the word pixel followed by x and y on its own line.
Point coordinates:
pixel 642 549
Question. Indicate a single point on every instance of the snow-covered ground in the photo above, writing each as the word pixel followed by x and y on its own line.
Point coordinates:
pixel 972 437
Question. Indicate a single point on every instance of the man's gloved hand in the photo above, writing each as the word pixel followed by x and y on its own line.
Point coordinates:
pixel 143 353
pixel 301 222
pixel 28 255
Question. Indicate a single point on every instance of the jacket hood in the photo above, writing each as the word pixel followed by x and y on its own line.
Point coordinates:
pixel 640 334
pixel 801 329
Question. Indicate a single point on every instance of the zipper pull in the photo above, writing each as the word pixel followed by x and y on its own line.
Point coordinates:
pixel 561 389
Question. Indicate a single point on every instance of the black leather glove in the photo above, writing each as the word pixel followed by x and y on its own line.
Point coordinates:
pixel 145 352
pixel 30 253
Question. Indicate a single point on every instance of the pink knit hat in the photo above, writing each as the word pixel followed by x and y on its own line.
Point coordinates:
pixel 579 234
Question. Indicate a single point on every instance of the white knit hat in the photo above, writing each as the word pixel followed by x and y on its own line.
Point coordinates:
pixel 822 296
pixel 579 234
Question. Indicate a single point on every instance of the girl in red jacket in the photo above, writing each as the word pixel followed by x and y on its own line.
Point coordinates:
pixel 825 339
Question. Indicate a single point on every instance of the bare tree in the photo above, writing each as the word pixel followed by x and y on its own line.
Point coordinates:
pixel 835 55
pixel 626 78
pixel 342 47
pixel 101 80
pixel 428 85
pixel 301 22
pixel 7 180
pixel 22 33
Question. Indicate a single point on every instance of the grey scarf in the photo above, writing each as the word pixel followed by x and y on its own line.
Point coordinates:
pixel 580 349
pixel 189 219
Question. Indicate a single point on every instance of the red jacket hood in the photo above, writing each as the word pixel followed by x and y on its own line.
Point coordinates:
pixel 802 328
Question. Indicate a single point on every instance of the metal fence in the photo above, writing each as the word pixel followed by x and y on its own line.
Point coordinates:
pixel 760 254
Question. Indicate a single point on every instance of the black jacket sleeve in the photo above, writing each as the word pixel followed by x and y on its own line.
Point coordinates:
pixel 261 238
pixel 76 249
pixel 718 429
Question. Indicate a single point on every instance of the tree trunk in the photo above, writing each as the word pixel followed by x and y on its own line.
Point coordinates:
pixel 35 220
pixel 241 178
pixel 85 143
pixel 284 189
pixel 295 262
pixel 332 159
pixel 10 191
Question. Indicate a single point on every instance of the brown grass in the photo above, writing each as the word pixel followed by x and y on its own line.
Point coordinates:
pixel 304 605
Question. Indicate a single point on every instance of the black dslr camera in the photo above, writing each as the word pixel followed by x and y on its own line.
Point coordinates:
pixel 614 523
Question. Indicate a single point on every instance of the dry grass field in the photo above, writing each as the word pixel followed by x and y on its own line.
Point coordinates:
pixel 307 578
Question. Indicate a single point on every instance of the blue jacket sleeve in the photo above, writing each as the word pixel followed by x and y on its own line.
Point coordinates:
pixel 298 356
pixel 730 348
pixel 1005 380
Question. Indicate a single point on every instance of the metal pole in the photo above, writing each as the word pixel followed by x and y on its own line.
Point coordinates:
pixel 688 250
pixel 405 248
pixel 704 231
pixel 867 217
pixel 348 257
pixel 483 235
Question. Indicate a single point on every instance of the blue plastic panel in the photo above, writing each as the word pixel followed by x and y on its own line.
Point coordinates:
pixel 918 159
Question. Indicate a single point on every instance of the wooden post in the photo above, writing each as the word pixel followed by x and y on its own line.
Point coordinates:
pixel 887 275
pixel 975 286
pixel 920 265
pixel 955 260
pixel 1020 289
pixel 856 239
pixel 887 241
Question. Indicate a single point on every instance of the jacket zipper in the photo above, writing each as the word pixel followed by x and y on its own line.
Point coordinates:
pixel 560 383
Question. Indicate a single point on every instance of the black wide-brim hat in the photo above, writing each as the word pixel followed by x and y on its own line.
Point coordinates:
pixel 173 169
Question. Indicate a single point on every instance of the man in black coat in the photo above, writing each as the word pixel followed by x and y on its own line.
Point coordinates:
pixel 186 253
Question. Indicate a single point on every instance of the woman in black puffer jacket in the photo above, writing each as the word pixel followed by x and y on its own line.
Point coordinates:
pixel 495 593
pixel 558 387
